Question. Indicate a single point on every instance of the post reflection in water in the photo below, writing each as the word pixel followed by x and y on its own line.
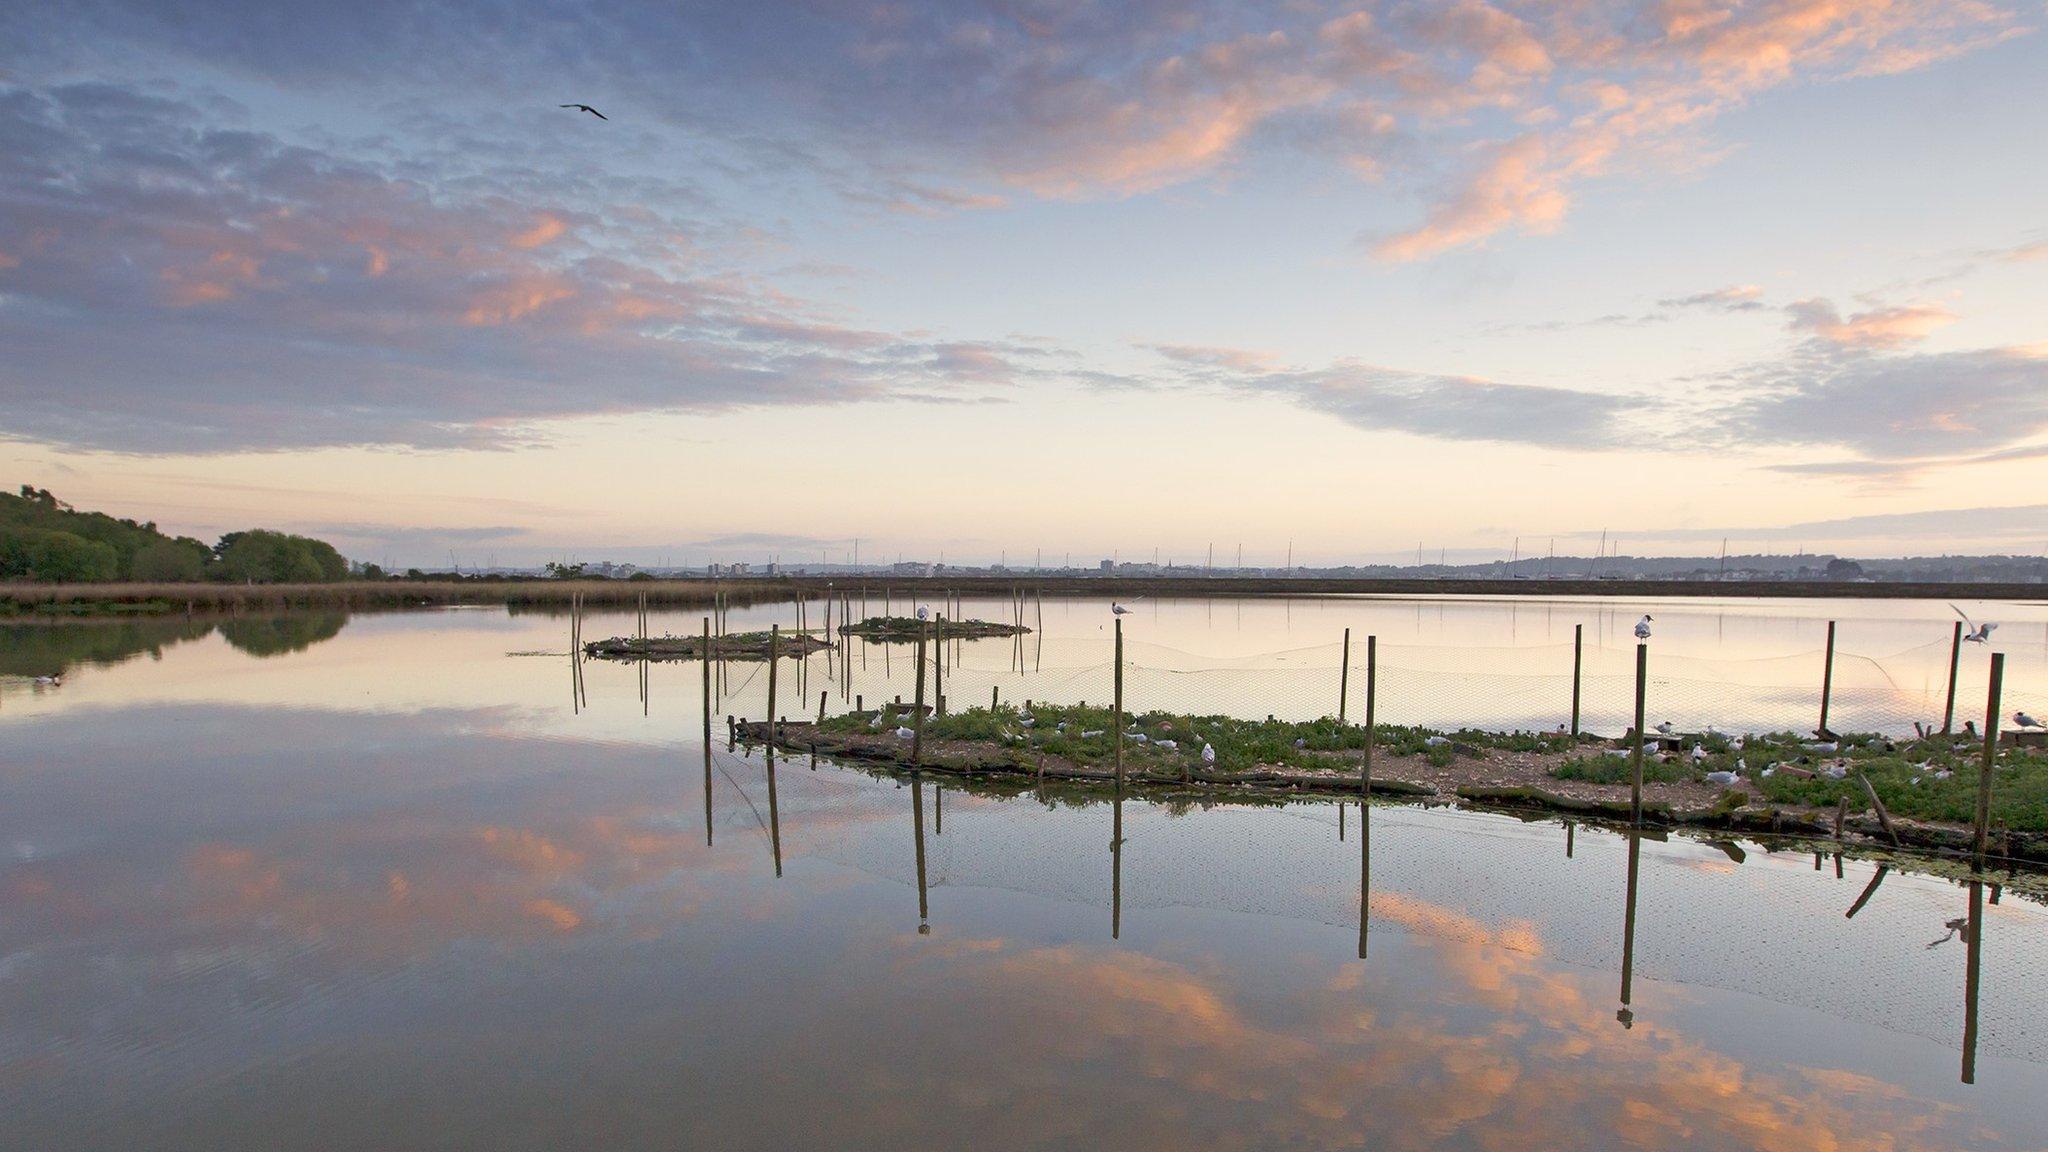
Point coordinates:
pixel 917 818
pixel 1116 867
pixel 1869 890
pixel 774 813
pixel 1364 873
pixel 1626 1014
pixel 1974 953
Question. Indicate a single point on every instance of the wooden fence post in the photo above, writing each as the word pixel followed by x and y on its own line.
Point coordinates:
pixel 1119 707
pixel 1578 664
pixel 1635 776
pixel 1990 757
pixel 917 712
pixel 1827 683
pixel 1955 659
pixel 1344 677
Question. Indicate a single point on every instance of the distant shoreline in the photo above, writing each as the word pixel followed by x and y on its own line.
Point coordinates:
pixel 63 601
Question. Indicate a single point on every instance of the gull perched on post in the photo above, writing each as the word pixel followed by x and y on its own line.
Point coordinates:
pixel 1643 627
pixel 1978 633
pixel 2024 720
pixel 1116 609
pixel 922 612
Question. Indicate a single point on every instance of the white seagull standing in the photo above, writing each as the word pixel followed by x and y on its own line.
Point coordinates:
pixel 1116 609
pixel 1643 628
pixel 1978 633
pixel 922 612
pixel 2024 720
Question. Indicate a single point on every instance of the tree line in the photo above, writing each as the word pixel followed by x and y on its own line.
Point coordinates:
pixel 45 540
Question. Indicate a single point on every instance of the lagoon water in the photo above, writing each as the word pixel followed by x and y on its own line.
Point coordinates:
pixel 385 882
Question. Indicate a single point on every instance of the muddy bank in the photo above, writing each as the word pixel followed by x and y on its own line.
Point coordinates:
pixel 1475 777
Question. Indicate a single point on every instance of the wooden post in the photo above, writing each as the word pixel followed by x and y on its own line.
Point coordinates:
pixel 1344 677
pixel 939 672
pixel 1635 776
pixel 1372 644
pixel 992 690
pixel 917 720
pixel 821 707
pixel 1827 683
pixel 1955 659
pixel 1990 757
pixel 774 637
pixel 1578 665
pixel 1884 818
pixel 1119 706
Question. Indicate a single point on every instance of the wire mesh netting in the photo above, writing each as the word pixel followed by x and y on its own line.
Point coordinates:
pixel 1498 688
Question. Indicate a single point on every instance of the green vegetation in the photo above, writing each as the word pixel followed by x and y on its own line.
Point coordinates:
pixel 910 628
pixel 264 557
pixel 44 540
pixel 1086 734
pixel 1932 779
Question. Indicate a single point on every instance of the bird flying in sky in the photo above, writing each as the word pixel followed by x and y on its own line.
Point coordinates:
pixel 1978 633
pixel 589 109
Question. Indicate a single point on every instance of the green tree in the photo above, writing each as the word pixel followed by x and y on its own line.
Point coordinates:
pixel 265 557
pixel 55 557
pixel 170 560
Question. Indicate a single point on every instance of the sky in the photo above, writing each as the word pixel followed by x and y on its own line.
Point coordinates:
pixel 1010 278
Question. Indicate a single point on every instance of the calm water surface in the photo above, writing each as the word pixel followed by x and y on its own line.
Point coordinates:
pixel 382 882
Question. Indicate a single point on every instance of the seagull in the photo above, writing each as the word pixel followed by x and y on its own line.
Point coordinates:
pixel 1643 627
pixel 1208 754
pixel 1665 728
pixel 904 733
pixel 1699 754
pixel 56 681
pixel 1978 633
pixel 923 612
pixel 876 722
pixel 1722 778
pixel 1165 745
pixel 589 109
pixel 2024 720
pixel 1116 609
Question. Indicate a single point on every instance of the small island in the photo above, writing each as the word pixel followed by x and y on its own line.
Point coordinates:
pixel 910 628
pixel 732 646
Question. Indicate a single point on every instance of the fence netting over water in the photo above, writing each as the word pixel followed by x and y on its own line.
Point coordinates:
pixel 1490 688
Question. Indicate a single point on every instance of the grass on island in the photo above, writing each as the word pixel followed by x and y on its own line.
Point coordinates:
pixel 1907 775
pixel 1089 737
pixel 910 628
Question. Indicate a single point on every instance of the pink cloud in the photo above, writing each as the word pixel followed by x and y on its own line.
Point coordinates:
pixel 1889 327
pixel 1515 187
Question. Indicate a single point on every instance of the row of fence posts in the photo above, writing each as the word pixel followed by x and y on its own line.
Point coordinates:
pixel 1638 731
